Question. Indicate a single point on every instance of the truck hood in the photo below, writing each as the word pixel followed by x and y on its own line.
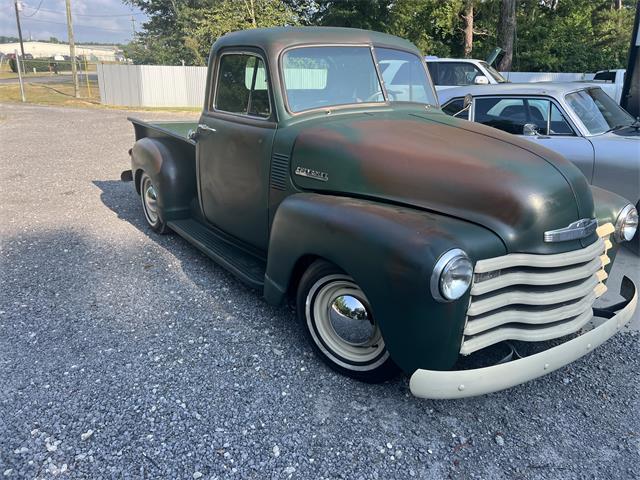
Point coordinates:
pixel 442 164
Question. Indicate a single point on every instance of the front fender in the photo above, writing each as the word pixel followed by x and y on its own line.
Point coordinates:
pixel 608 206
pixel 390 251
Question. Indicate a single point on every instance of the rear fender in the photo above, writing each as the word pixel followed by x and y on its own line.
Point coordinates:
pixel 390 251
pixel 171 165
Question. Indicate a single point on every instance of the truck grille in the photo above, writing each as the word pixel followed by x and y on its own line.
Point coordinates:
pixel 534 298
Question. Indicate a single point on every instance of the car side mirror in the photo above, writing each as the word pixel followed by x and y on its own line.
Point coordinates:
pixel 530 130
pixel 481 80
pixel 468 100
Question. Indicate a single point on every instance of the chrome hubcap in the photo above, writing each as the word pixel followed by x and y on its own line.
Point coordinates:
pixel 350 320
pixel 341 323
pixel 150 201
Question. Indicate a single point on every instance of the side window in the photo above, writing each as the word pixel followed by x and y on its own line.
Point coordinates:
pixel 453 73
pixel 539 115
pixel 508 114
pixel 242 86
pixel 512 114
pixel 454 106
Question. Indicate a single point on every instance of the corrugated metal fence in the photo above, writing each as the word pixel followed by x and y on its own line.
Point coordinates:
pixel 525 77
pixel 152 85
pixel 168 86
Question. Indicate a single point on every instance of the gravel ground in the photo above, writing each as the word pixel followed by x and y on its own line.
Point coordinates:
pixel 128 355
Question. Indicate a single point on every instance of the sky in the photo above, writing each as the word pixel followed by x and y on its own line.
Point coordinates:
pixel 106 21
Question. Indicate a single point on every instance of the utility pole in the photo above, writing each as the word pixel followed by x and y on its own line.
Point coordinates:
pixel 18 7
pixel 72 51
pixel 133 27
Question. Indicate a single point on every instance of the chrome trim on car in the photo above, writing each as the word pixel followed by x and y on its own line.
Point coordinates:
pixel 579 229
pixel 439 267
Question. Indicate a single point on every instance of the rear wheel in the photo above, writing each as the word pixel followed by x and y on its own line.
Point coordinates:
pixel 339 323
pixel 149 197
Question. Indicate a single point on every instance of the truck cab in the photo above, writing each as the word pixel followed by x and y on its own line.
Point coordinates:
pixel 323 173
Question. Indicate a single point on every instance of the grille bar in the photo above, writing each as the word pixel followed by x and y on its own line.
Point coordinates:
pixel 560 329
pixel 538 278
pixel 532 297
pixel 529 317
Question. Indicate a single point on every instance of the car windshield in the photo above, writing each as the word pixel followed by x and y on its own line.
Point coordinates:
pixel 598 112
pixel 497 76
pixel 328 76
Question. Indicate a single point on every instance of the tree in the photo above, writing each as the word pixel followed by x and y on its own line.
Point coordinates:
pixel 184 30
pixel 506 32
pixel 468 28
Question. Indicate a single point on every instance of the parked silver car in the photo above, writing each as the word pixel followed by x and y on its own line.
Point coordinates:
pixel 582 123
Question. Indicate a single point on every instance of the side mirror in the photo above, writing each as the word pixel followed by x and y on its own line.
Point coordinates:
pixel 466 104
pixel 468 100
pixel 530 130
pixel 481 80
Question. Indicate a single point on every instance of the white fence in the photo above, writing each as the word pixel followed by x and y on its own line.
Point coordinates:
pixel 524 77
pixel 152 85
pixel 167 86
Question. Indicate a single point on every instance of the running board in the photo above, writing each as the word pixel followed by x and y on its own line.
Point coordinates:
pixel 247 267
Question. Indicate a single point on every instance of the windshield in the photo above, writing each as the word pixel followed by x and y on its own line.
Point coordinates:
pixel 323 77
pixel 494 73
pixel 598 112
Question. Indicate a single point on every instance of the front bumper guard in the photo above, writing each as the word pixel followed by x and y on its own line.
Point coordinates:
pixel 437 384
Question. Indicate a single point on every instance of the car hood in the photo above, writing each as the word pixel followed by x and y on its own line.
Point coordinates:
pixel 446 165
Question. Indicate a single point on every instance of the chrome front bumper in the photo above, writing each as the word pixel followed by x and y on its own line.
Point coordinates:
pixel 468 383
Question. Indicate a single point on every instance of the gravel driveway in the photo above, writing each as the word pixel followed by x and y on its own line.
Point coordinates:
pixel 128 355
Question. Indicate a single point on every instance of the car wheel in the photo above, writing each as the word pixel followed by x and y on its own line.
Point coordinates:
pixel 339 323
pixel 149 196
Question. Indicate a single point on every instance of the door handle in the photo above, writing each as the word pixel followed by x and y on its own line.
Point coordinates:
pixel 202 127
pixel 205 127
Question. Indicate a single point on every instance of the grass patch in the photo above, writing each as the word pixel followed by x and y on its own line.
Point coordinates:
pixel 60 94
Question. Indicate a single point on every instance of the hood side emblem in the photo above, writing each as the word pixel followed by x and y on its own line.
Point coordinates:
pixel 309 173
pixel 574 231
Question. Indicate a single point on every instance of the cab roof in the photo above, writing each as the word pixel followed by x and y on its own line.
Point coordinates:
pixel 274 40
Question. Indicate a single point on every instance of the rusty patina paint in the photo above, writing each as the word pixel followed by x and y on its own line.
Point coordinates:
pixel 468 173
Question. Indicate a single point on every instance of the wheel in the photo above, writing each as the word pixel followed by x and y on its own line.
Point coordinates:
pixel 149 197
pixel 337 318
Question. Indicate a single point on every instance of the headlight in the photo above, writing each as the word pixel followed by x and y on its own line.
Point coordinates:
pixel 451 276
pixel 626 224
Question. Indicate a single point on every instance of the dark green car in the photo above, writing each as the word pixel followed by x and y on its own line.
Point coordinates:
pixel 323 172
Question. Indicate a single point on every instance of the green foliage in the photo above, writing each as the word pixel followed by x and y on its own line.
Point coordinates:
pixel 551 35
pixel 184 30
pixel 43 65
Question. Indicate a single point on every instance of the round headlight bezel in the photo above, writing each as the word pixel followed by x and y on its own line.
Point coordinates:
pixel 628 215
pixel 445 263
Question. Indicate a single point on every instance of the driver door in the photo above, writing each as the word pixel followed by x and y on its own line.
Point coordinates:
pixel 233 153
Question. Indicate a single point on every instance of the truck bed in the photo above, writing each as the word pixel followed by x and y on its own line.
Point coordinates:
pixel 179 130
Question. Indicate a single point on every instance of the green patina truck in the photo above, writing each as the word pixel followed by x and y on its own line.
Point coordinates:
pixel 322 172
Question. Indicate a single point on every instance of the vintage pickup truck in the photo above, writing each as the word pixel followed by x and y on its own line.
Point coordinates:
pixel 322 172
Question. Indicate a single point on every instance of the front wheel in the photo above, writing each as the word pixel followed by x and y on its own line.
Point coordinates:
pixel 339 323
pixel 149 197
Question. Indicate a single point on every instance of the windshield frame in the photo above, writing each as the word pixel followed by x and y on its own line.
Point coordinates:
pixel 569 107
pixel 329 108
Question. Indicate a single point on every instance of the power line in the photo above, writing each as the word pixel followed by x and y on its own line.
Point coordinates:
pixel 37 10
